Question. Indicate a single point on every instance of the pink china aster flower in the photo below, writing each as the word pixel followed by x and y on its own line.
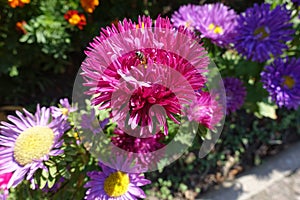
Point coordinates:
pixel 187 16
pixel 144 151
pixel 65 109
pixel 136 80
pixel 28 141
pixel 205 110
pixel 217 22
pixel 115 184
pixel 137 145
pixel 4 179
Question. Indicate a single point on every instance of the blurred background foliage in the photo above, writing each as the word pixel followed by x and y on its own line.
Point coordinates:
pixel 41 56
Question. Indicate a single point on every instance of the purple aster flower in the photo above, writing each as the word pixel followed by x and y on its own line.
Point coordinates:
pixel 205 110
pixel 64 110
pixel 91 122
pixel 217 22
pixel 262 32
pixel 28 141
pixel 296 2
pixel 235 93
pixel 115 184
pixel 282 81
pixel 186 16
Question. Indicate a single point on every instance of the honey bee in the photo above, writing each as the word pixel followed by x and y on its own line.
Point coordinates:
pixel 142 58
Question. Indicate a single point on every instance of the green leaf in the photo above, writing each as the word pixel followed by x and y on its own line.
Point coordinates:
pixel 43 182
pixel 51 182
pixel 52 171
pixel 267 110
pixel 246 67
pixel 45 173
pixel 13 71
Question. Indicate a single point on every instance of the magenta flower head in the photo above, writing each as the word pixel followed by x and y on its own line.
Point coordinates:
pixel 115 183
pixel 262 32
pixel 137 145
pixel 282 80
pixel 187 16
pixel 205 110
pixel 144 151
pixel 64 110
pixel 217 22
pixel 235 94
pixel 141 83
pixel 4 179
pixel 28 141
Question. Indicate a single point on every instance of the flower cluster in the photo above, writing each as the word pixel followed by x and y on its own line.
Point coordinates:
pixel 75 18
pixel 141 73
pixel 259 34
pixel 214 21
pixel 17 3
pixel 145 79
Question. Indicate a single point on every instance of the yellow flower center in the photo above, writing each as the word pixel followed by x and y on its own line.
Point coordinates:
pixel 215 29
pixel 32 144
pixel 75 19
pixel 116 184
pixel 262 31
pixel 289 81
pixel 187 24
pixel 64 111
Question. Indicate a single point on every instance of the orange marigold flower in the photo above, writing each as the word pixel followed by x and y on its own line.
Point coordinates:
pixel 17 3
pixel 89 5
pixel 20 27
pixel 75 18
